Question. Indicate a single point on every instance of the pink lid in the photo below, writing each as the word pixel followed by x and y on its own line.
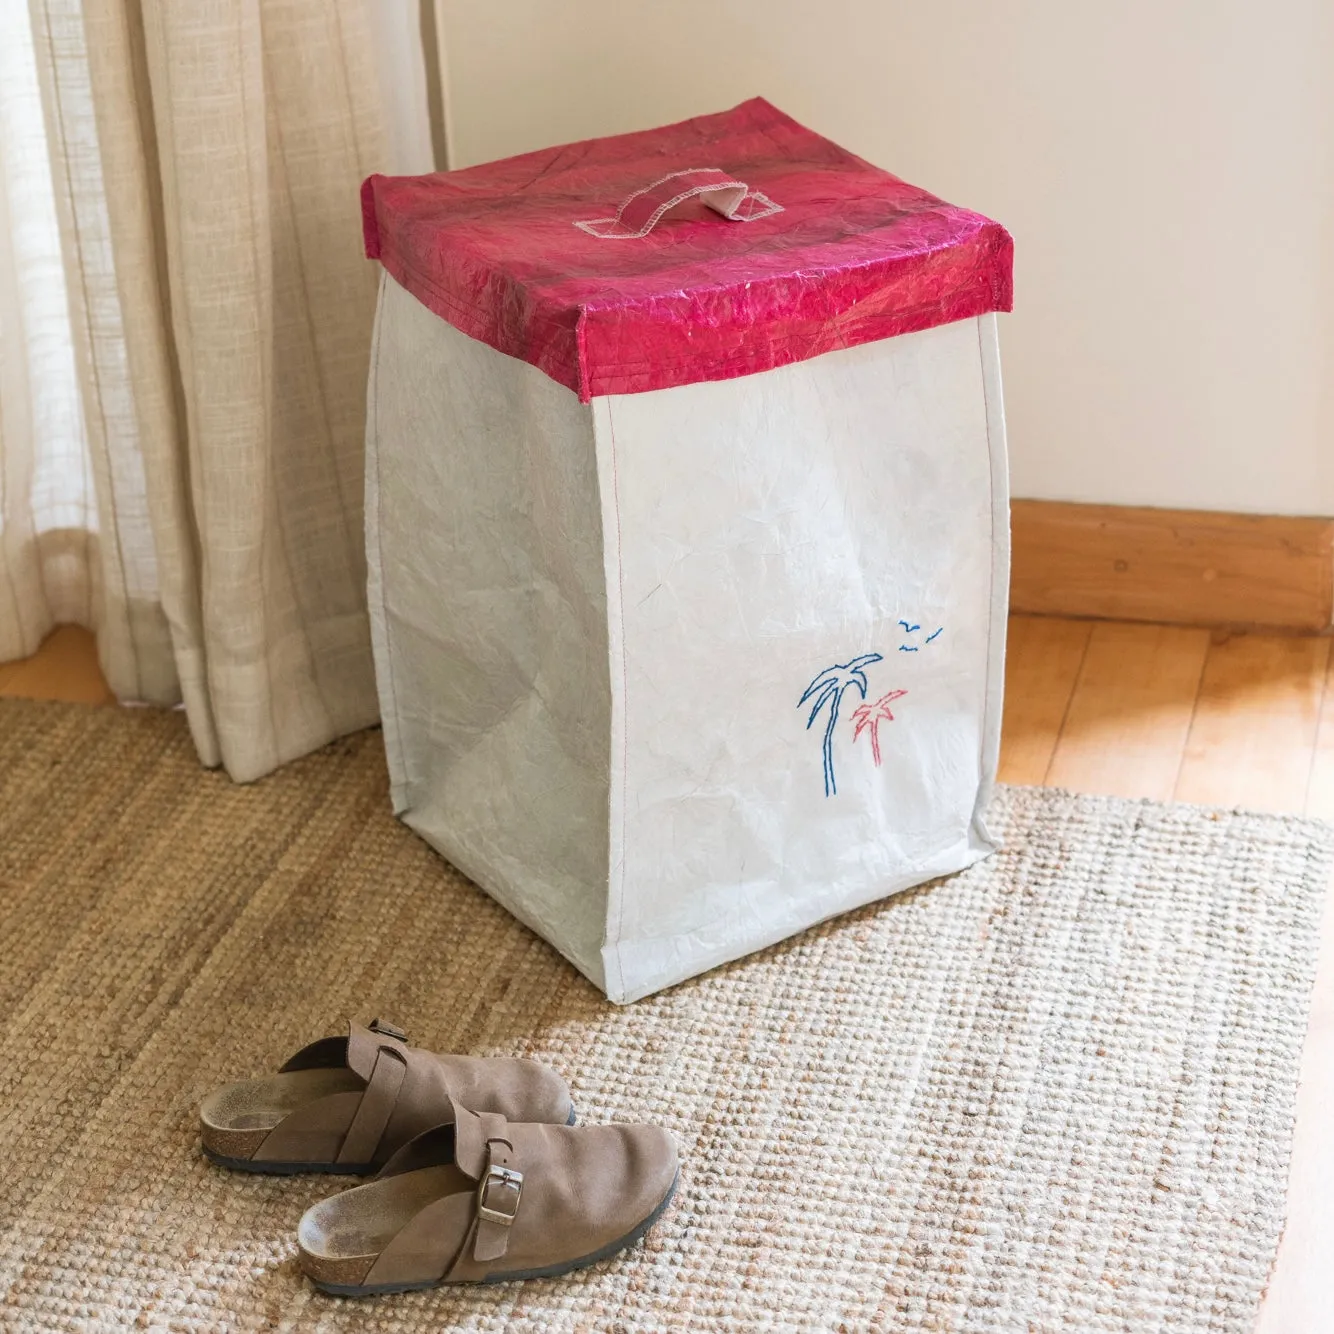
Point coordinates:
pixel 717 247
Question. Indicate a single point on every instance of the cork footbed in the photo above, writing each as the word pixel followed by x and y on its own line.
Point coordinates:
pixel 244 1112
pixel 341 1237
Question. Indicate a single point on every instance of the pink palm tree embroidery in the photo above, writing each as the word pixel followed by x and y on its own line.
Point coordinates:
pixel 872 715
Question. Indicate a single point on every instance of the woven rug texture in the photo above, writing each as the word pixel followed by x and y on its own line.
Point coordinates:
pixel 1052 1093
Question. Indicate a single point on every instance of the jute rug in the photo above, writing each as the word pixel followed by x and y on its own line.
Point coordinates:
pixel 1053 1093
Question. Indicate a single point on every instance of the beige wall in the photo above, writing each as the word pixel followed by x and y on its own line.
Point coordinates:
pixel 1167 170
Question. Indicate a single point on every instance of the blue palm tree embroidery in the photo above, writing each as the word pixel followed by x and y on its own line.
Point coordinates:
pixel 828 689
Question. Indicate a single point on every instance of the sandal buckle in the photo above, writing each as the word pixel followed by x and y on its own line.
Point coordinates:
pixel 498 1194
pixel 387 1029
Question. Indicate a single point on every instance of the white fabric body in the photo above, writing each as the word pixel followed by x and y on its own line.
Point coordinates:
pixel 594 624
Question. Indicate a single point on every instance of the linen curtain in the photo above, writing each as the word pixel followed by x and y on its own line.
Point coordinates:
pixel 185 317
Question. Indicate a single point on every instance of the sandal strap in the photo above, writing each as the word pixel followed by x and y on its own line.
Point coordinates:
pixel 499 1194
pixel 376 1106
pixel 485 1152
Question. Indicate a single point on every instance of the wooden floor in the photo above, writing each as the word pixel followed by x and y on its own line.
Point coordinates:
pixel 65 667
pixel 1170 713
pixel 1134 711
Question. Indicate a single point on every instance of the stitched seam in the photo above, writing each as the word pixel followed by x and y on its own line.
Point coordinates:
pixel 989 702
pixel 991 514
pixel 662 180
pixel 625 696
pixel 377 338
pixel 670 176
pixel 733 216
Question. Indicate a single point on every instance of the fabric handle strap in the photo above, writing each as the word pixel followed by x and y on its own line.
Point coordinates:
pixel 643 210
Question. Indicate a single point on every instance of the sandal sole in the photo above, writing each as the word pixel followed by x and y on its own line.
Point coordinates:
pixel 548 1271
pixel 273 1169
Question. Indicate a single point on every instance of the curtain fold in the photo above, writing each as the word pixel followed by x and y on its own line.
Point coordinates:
pixel 50 546
pixel 204 163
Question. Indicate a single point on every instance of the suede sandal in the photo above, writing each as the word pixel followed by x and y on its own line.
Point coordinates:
pixel 347 1104
pixel 486 1200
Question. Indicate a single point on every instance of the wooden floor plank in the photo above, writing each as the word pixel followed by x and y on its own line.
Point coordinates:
pixel 1125 730
pixel 1253 736
pixel 1320 790
pixel 65 667
pixel 1043 659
